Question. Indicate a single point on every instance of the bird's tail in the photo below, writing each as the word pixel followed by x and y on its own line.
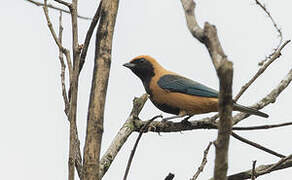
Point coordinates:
pixel 248 110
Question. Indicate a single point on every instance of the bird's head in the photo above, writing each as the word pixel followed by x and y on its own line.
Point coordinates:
pixel 143 67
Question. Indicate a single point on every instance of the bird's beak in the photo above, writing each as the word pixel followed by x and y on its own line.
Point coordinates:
pixel 129 65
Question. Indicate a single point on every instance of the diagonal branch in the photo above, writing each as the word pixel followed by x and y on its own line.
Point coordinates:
pixel 56 8
pixel 263 169
pixel 122 136
pixel 256 145
pixel 268 99
pixel 276 27
pixel 203 163
pixel 89 35
pixel 275 56
pixel 143 129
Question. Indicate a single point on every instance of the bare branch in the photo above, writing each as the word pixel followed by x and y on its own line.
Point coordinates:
pixel 122 136
pixel 276 165
pixel 209 37
pixel 89 35
pixel 194 28
pixel 203 163
pixel 263 169
pixel 276 27
pixel 270 98
pixel 98 91
pixel 64 50
pixel 253 175
pixel 275 56
pixel 63 67
pixel 263 126
pixel 256 145
pixel 56 8
pixel 143 129
pixel 45 8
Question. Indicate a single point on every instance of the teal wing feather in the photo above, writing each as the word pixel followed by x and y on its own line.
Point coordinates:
pixel 175 83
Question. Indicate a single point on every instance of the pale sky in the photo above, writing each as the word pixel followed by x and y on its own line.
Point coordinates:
pixel 34 130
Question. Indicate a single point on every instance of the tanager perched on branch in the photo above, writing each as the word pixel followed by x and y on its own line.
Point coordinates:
pixel 175 94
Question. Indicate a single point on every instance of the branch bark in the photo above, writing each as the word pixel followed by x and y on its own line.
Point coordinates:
pixel 101 71
pixel 56 8
pixel 263 169
pixel 209 37
pixel 122 135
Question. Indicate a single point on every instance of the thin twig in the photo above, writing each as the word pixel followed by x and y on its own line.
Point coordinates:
pixel 203 163
pixel 262 69
pixel 253 174
pixel 136 144
pixel 89 35
pixel 63 67
pixel 262 127
pixel 45 8
pixel 64 50
pixel 262 6
pixel 268 99
pixel 256 145
pixel 56 8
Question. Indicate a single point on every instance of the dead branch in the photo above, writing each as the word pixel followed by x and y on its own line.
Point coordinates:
pixel 101 71
pixel 256 145
pixel 56 8
pixel 122 136
pixel 262 69
pixel 63 67
pixel 203 163
pixel 277 29
pixel 263 127
pixel 89 35
pixel 253 175
pixel 268 99
pixel 263 169
pixel 209 37
pixel 143 129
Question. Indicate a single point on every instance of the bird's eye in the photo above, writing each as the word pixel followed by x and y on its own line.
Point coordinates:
pixel 142 60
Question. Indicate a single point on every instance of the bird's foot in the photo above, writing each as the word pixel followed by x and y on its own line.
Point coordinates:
pixel 185 120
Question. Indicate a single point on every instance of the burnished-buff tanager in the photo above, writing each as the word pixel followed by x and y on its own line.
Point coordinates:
pixel 175 94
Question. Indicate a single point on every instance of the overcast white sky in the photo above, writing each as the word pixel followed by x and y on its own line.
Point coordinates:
pixel 34 130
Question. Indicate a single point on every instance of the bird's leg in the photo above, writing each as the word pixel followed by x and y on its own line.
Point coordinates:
pixel 173 117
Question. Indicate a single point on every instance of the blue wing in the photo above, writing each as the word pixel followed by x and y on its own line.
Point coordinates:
pixel 175 83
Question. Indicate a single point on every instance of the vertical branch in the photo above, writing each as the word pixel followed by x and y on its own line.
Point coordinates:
pixel 225 73
pixel 101 71
pixel 209 37
pixel 74 142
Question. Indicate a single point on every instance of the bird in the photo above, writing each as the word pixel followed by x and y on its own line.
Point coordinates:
pixel 176 94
